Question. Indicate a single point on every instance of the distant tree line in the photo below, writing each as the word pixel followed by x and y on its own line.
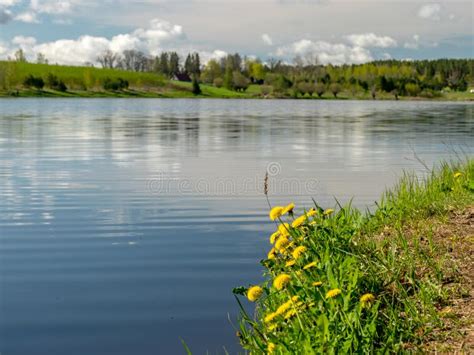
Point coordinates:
pixel 305 76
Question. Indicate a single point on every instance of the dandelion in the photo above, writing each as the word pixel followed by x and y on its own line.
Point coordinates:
pixel 310 265
pixel 317 283
pixel 270 317
pixel 328 212
pixel 274 237
pixel 271 254
pixel 272 327
pixel 299 221
pixel 312 212
pixel 288 209
pixel 271 348
pixel 291 313
pixel 298 252
pixel 367 299
pixel 254 293
pixel 281 281
pixel 281 244
pixel 295 298
pixel 283 229
pixel 458 174
pixel 283 308
pixel 333 293
pixel 290 263
pixel 276 212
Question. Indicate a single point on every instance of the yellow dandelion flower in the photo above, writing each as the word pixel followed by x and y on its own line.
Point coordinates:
pixel 276 212
pixel 274 237
pixel 317 283
pixel 367 299
pixel 458 174
pixel 328 212
pixel 254 293
pixel 310 265
pixel 281 281
pixel 288 209
pixel 295 298
pixel 270 317
pixel 333 293
pixel 299 221
pixel 291 313
pixel 298 252
pixel 290 263
pixel 284 229
pixel 271 254
pixel 312 212
pixel 281 244
pixel 271 348
pixel 272 327
pixel 283 308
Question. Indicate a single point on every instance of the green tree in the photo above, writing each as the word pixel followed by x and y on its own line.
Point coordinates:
pixel 211 71
pixel 196 87
pixel 335 89
pixel 320 89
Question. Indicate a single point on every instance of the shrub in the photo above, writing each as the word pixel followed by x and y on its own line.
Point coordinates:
pixel 53 82
pixel 115 85
pixel 320 89
pixel 36 82
pixel 218 82
pixel 196 87
pixel 266 90
pixel 412 89
pixel 335 89
pixel 240 82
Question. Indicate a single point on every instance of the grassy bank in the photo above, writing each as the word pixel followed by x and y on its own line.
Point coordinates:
pixel 89 82
pixel 395 280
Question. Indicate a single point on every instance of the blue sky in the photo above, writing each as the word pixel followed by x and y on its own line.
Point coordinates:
pixel 334 31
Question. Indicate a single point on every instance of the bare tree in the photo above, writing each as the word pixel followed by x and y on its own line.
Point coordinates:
pixel 108 59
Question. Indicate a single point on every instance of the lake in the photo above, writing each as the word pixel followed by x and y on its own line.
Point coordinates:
pixel 125 224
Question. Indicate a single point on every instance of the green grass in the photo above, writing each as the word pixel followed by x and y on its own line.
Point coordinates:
pixel 393 253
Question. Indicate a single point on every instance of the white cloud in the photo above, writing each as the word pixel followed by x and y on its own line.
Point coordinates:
pixel 52 6
pixel 24 41
pixel 8 3
pixel 27 17
pixel 335 53
pixel 368 40
pixel 267 40
pixel 430 12
pixel 158 36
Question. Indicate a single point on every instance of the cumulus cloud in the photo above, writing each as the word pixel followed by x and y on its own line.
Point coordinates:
pixel 24 41
pixel 267 40
pixel 52 6
pixel 326 52
pixel 368 40
pixel 27 17
pixel 159 35
pixel 8 3
pixel 430 12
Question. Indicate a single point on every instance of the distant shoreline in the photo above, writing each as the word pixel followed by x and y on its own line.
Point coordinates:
pixel 138 94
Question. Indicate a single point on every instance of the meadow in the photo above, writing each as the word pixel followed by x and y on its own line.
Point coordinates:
pixel 393 280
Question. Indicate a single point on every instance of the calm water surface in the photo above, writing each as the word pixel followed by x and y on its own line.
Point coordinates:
pixel 125 224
